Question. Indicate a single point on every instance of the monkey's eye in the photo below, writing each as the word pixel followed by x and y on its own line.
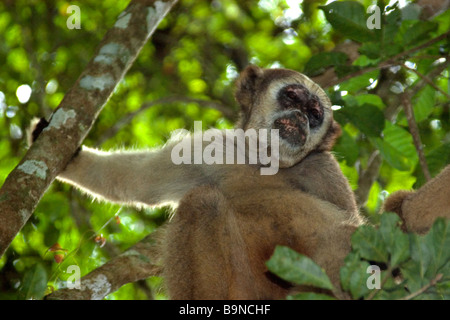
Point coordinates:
pixel 315 114
pixel 292 95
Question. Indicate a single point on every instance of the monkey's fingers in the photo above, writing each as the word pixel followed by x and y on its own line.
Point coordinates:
pixel 35 129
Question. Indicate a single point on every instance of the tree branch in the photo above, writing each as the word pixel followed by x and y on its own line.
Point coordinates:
pixel 414 130
pixel 424 288
pixel 75 115
pixel 388 274
pixel 367 178
pixel 325 81
pixel 427 80
pixel 135 264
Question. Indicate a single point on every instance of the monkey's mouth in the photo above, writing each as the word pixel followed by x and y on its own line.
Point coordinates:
pixel 292 128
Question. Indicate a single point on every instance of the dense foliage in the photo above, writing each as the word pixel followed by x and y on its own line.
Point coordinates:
pixel 186 73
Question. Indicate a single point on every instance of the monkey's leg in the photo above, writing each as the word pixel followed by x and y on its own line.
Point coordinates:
pixel 420 209
pixel 204 253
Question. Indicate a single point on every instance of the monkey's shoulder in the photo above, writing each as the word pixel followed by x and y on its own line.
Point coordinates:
pixel 317 177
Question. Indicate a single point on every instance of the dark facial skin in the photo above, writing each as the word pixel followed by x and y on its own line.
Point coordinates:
pixel 304 113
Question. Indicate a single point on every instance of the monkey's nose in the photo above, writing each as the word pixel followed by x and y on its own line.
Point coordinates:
pixel 301 118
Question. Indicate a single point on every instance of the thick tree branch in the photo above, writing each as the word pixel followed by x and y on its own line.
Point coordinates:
pixel 135 264
pixel 72 120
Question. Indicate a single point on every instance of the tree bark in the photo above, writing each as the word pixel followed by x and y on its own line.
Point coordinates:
pixel 75 115
pixel 137 263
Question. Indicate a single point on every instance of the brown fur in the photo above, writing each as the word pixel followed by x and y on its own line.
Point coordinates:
pixel 230 217
pixel 222 235
pixel 420 209
pixel 219 239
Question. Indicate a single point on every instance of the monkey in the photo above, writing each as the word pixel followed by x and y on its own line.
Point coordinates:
pixel 419 209
pixel 230 217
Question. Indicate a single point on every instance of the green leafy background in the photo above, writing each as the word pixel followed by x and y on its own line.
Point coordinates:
pixel 195 55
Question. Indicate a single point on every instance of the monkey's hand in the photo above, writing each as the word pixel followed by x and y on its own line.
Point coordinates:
pixel 419 209
pixel 35 129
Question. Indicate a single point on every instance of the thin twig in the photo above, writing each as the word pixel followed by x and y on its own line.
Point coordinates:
pixel 414 130
pixel 423 45
pixel 383 282
pixel 432 74
pixel 424 288
pixel 389 62
pixel 427 80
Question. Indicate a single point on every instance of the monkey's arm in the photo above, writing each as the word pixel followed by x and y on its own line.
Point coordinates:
pixel 148 177
pixel 419 209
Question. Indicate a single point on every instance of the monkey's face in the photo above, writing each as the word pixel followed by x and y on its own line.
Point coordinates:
pixel 290 102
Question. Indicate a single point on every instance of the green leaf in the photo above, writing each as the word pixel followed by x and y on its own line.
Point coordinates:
pixel 397 242
pixel 420 254
pixel 354 275
pixel 391 154
pixel 391 26
pixel 367 118
pixel 402 141
pixel 297 268
pixel 364 61
pixel 423 103
pixel 391 289
pixel 411 272
pixel 412 32
pixel 34 283
pixel 371 99
pixel 349 18
pixel 322 60
pixel 438 158
pixel 370 49
pixel 356 83
pixel 346 148
pixel 400 248
pixel 388 223
pixel 438 240
pixel 310 296
pixel 396 147
pixel 370 245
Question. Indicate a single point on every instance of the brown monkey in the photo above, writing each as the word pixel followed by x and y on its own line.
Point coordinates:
pixel 420 209
pixel 230 217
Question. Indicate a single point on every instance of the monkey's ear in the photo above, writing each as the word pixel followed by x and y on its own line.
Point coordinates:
pixel 246 86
